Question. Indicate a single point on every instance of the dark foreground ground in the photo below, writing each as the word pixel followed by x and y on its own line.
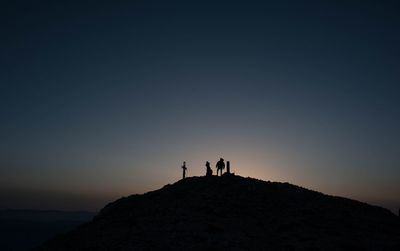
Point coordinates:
pixel 234 213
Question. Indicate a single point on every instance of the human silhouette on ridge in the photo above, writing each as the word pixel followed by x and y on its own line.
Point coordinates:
pixel 184 168
pixel 220 165
pixel 209 171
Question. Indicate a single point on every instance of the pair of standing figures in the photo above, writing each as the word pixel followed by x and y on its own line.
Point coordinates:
pixel 220 167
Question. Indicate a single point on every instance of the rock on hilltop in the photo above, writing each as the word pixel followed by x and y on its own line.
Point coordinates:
pixel 234 213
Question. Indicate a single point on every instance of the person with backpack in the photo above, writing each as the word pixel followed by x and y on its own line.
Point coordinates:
pixel 220 166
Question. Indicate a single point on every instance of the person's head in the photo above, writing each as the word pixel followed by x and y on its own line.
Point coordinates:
pixel 207 163
pixel 221 159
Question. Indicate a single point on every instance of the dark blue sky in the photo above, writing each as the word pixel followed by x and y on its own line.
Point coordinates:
pixel 107 98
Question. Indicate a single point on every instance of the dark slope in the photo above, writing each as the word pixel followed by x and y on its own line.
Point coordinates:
pixel 234 213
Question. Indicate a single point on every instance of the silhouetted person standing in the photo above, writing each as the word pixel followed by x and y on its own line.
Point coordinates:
pixel 184 168
pixel 209 170
pixel 220 165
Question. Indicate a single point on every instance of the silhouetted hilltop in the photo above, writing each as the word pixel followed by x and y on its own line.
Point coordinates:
pixel 234 213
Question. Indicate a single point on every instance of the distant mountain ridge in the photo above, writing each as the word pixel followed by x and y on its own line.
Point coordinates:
pixel 45 215
pixel 24 229
pixel 234 213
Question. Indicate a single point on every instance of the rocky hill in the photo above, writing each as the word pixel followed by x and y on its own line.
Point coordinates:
pixel 234 213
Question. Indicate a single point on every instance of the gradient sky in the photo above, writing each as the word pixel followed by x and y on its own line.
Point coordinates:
pixel 103 99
